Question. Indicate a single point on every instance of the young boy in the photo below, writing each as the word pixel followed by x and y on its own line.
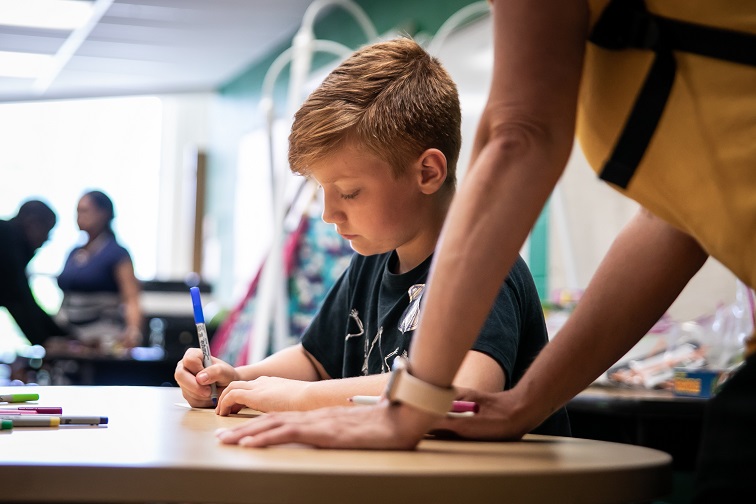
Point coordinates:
pixel 381 136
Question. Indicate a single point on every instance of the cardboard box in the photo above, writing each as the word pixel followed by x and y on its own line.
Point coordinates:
pixel 702 383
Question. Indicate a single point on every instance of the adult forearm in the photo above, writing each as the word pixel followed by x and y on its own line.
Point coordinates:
pixel 33 321
pixel 521 147
pixel 644 271
pixel 133 314
pixel 488 222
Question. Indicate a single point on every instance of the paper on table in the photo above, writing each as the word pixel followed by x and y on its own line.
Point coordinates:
pixel 244 412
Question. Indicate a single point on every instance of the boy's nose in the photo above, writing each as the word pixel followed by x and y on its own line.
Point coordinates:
pixel 332 213
pixel 333 216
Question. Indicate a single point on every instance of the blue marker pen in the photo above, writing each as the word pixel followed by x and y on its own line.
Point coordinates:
pixel 199 319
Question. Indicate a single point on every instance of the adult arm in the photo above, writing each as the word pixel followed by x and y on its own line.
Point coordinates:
pixel 521 148
pixel 36 324
pixel 644 271
pixel 17 297
pixel 128 287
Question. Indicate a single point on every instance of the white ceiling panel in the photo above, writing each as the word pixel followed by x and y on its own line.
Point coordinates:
pixel 156 46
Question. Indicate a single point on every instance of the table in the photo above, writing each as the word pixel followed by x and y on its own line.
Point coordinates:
pixel 155 450
pixel 653 418
pixel 620 400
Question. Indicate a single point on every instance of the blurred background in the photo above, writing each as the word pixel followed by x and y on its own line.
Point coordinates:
pixel 180 110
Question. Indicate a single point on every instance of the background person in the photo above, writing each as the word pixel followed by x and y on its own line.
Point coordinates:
pixel 20 238
pixel 100 290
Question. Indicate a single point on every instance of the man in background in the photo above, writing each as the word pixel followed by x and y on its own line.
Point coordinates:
pixel 20 238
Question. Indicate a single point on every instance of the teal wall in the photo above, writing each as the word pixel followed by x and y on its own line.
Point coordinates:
pixel 236 111
pixel 538 259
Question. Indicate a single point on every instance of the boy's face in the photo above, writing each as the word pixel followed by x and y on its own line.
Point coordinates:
pixel 371 208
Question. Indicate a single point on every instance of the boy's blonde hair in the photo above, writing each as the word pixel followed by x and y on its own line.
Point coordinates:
pixel 391 98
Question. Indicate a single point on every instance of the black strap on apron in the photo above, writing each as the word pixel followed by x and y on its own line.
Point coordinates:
pixel 626 24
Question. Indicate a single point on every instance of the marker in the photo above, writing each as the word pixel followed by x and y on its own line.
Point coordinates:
pixel 82 420
pixel 45 410
pixel 199 319
pixel 457 406
pixel 22 420
pixel 19 397
pixel 6 424
pixel 32 420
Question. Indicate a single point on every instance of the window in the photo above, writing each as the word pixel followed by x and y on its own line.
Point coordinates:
pixel 57 150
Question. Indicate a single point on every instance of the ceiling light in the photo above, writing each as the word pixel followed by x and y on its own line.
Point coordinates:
pixel 23 65
pixel 50 14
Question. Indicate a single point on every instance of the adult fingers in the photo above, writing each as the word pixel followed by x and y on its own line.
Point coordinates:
pixel 366 427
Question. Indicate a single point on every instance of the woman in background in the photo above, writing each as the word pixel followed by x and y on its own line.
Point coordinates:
pixel 100 291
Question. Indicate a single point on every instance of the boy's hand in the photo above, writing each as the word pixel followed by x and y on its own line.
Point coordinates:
pixel 266 393
pixel 194 379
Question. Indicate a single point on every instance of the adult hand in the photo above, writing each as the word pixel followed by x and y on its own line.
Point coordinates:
pixel 497 417
pixel 383 426
pixel 266 393
pixel 195 379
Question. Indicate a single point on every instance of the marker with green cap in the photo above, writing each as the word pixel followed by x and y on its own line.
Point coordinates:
pixel 19 397
pixel 6 424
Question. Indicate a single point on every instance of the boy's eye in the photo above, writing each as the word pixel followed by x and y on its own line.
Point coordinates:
pixel 351 195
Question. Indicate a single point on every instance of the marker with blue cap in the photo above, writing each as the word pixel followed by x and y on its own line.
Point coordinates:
pixel 199 320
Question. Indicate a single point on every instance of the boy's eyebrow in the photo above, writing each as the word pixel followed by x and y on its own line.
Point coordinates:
pixel 335 180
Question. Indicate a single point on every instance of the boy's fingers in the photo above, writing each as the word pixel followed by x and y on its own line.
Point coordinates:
pixel 192 361
pixel 217 373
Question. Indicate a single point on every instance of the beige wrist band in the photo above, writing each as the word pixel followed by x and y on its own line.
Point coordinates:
pixel 412 391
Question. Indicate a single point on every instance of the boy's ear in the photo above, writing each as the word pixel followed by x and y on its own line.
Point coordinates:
pixel 431 166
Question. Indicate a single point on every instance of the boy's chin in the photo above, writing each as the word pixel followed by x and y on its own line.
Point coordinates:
pixel 367 250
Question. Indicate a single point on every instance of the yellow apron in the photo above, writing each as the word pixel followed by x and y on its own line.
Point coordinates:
pixel 699 169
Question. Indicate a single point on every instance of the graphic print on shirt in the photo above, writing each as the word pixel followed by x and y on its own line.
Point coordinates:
pixel 407 322
pixel 411 316
pixel 356 317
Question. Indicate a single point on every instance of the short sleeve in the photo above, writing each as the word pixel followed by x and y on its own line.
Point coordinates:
pixel 323 338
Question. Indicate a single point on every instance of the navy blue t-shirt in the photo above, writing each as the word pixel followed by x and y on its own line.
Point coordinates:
pixel 84 272
pixel 370 314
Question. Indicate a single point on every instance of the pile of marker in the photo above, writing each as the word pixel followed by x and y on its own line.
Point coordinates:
pixel 39 416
